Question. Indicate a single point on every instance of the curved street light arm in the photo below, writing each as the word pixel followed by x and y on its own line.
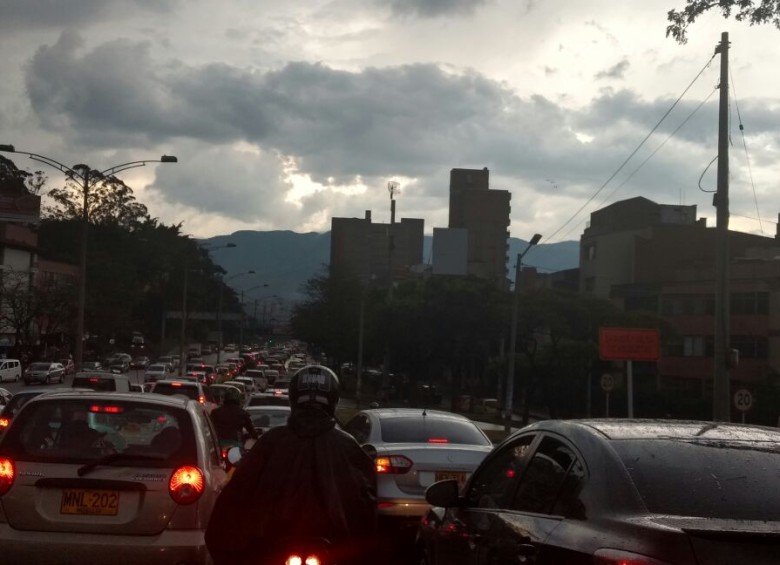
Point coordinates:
pixel 43 159
pixel 111 171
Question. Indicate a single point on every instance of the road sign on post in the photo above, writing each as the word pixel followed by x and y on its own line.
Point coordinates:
pixel 629 344
pixel 607 384
pixel 743 401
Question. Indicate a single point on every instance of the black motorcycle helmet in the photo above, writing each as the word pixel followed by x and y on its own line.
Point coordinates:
pixel 314 385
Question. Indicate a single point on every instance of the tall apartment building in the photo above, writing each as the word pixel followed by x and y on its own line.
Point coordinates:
pixel 361 248
pixel 484 213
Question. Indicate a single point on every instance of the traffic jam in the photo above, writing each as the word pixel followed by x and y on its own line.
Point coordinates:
pixel 102 468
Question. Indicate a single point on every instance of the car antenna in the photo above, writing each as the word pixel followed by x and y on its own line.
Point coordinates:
pixel 424 413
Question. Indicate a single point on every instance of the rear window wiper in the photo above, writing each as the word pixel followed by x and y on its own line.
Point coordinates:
pixel 111 457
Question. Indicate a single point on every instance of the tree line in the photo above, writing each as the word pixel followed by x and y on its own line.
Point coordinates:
pixel 135 269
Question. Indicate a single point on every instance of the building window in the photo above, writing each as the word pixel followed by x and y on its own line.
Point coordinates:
pixel 687 305
pixel 749 303
pixel 751 347
pixel 590 252
pixel 694 346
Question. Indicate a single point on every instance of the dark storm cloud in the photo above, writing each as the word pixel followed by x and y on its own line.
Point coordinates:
pixel 339 126
pixel 433 8
pixel 616 71
pixel 22 15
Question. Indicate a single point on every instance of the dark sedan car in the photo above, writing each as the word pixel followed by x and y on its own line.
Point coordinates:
pixel 614 492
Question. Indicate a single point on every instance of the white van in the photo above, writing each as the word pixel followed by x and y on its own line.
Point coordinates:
pixel 10 370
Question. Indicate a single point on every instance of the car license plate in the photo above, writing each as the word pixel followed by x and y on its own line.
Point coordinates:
pixel 89 502
pixel 451 476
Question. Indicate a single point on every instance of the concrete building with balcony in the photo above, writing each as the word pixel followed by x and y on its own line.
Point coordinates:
pixel 484 214
pixel 361 248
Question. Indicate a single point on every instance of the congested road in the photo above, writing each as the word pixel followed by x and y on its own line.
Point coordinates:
pixel 110 420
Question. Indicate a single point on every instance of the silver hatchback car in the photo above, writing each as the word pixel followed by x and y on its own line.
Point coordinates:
pixel 412 449
pixel 91 477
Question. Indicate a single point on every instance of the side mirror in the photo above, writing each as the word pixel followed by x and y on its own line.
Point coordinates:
pixel 234 455
pixel 443 493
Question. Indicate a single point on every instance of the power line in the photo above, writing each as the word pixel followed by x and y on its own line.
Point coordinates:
pixel 642 164
pixel 625 162
pixel 747 157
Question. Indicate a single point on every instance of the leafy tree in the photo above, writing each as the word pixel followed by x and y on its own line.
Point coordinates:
pixel 17 182
pixel 109 200
pixel 17 303
pixel 329 316
pixel 763 11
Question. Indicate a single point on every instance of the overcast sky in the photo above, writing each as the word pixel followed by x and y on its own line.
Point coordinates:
pixel 285 114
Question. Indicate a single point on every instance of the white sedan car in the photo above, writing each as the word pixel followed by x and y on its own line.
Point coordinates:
pixel 412 449
pixel 91 477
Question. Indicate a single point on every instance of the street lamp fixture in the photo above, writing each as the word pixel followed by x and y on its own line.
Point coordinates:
pixel 510 375
pixel 81 174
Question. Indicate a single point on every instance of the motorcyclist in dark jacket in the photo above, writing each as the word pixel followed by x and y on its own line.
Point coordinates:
pixel 305 479
pixel 230 420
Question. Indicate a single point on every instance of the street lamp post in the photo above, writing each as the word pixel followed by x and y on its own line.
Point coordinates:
pixel 81 174
pixel 510 375
pixel 219 310
pixel 183 335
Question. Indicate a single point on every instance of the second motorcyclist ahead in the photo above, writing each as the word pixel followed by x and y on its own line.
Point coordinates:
pixel 305 479
pixel 231 421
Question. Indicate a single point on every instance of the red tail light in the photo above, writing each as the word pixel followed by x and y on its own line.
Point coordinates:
pixel 4 423
pixel 617 557
pixel 438 440
pixel 7 474
pixel 186 485
pixel 392 465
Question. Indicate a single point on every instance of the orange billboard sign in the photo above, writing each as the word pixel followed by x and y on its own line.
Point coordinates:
pixel 629 344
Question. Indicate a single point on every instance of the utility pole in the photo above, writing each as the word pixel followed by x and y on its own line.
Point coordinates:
pixel 722 349
pixel 392 187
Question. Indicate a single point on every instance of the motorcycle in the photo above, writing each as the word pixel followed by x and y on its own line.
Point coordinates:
pixel 305 551
pixel 233 451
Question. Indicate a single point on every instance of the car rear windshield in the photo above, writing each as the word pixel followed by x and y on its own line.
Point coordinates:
pixel 39 367
pixel 270 400
pixel 155 369
pixel 705 479
pixel 171 389
pixel 268 419
pixel 427 429
pixel 81 430
pixel 100 384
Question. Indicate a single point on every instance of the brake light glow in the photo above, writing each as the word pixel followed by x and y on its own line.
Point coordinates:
pixel 438 440
pixel 106 409
pixel 186 484
pixel 392 465
pixel 7 474
pixel 176 384
pixel 202 399
pixel 4 423
pixel 298 560
pixel 618 557
pixel 94 380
